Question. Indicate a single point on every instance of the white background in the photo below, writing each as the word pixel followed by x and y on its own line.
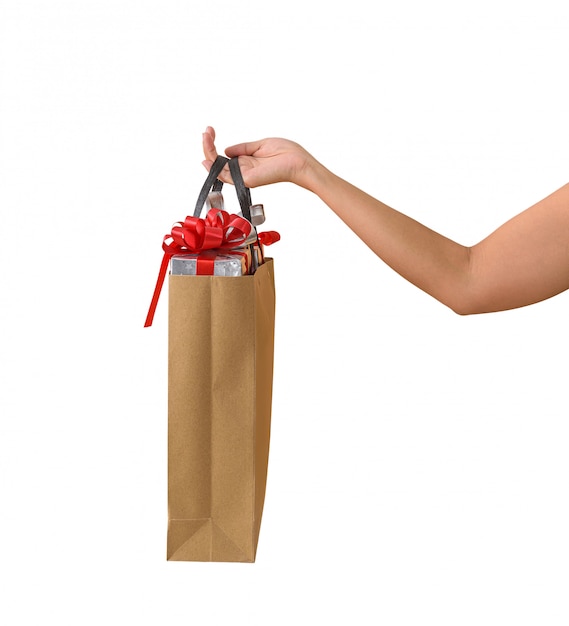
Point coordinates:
pixel 419 471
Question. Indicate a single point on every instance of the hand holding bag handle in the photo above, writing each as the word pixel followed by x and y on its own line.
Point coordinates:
pixel 213 183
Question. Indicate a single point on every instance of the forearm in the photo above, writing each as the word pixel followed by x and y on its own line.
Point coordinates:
pixel 434 263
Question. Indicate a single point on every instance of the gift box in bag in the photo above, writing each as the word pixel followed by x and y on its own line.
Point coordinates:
pixel 226 263
pixel 220 373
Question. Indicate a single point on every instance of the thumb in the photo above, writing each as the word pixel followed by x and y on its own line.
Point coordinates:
pixel 243 149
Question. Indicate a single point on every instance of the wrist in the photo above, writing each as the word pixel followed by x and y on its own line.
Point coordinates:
pixel 310 174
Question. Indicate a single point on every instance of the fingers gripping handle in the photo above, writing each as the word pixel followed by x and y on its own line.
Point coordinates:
pixel 212 182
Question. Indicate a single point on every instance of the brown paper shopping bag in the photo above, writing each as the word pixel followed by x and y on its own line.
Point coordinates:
pixel 220 372
pixel 219 412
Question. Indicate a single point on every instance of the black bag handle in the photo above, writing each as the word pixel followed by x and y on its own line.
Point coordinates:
pixel 243 193
pixel 213 183
pixel 210 182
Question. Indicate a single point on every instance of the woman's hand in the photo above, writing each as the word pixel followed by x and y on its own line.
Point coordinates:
pixel 263 162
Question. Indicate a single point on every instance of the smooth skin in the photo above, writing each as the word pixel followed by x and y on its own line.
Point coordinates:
pixel 524 261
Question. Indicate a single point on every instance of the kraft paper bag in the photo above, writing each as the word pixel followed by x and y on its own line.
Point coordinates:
pixel 220 372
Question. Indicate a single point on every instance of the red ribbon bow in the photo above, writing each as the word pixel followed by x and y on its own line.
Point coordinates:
pixel 218 231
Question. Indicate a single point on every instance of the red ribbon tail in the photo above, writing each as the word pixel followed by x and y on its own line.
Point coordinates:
pixel 157 289
pixel 268 237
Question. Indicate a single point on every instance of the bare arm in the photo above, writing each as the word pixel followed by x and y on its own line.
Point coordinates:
pixel 524 261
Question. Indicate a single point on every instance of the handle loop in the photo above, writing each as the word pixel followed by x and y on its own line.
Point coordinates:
pixel 210 181
pixel 243 193
pixel 213 183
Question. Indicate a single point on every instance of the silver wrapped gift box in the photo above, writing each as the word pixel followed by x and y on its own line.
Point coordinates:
pixel 224 264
